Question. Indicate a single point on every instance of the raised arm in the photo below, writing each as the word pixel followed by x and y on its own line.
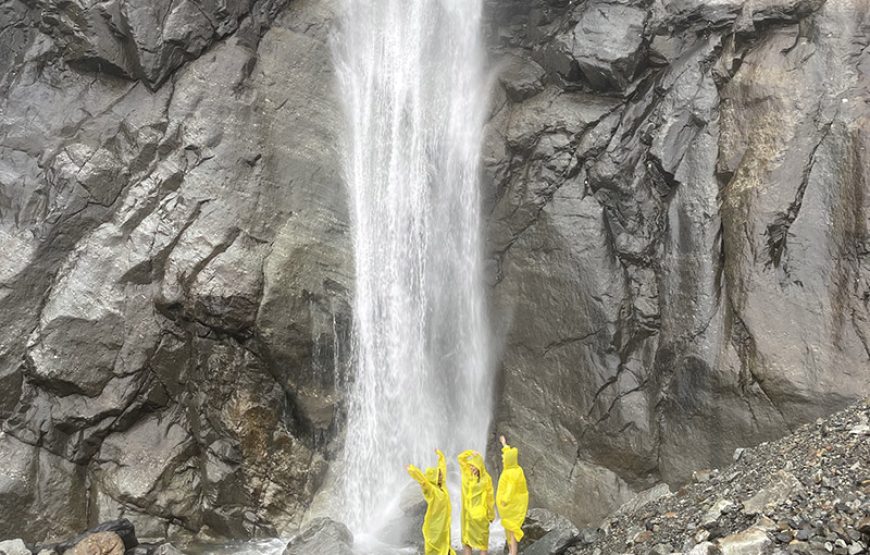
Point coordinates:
pixel 442 465
pixel 417 475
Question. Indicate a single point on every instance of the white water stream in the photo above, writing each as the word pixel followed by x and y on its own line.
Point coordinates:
pixel 411 79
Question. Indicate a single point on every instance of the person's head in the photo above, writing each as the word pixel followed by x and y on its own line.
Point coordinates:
pixel 475 471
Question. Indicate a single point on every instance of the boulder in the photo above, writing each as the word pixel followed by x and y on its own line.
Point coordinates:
pixel 712 515
pixel 780 488
pixel 540 522
pixel 13 547
pixel 645 497
pixel 547 533
pixel 552 543
pixel 608 42
pixel 749 542
pixel 99 543
pixel 322 535
pixel 521 78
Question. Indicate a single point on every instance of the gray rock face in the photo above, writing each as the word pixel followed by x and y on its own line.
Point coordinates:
pixel 678 264
pixel 174 301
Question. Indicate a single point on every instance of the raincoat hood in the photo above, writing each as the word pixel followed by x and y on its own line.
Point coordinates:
pixel 509 457
pixel 477 462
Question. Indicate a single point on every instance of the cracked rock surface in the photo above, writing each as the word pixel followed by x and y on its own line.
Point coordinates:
pixel 677 201
pixel 678 196
pixel 174 293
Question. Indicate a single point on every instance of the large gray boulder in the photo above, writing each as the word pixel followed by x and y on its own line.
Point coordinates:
pixel 608 42
pixel 547 533
pixel 13 547
pixel 322 535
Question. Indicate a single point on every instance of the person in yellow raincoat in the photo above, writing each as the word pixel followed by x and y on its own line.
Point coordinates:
pixel 436 523
pixel 512 497
pixel 478 504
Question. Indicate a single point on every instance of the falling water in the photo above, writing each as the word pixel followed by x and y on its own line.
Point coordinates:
pixel 410 77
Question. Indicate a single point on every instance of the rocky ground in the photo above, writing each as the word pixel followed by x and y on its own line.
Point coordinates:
pixel 808 492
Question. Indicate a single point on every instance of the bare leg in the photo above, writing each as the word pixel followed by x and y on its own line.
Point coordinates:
pixel 466 550
pixel 513 543
pixel 484 552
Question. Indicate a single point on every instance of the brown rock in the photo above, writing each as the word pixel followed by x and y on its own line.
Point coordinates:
pixel 643 537
pixel 101 543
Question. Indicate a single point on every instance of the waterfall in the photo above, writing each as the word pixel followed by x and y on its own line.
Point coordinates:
pixel 411 82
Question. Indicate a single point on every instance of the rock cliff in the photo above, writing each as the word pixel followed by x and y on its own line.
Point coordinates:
pixel 174 296
pixel 678 227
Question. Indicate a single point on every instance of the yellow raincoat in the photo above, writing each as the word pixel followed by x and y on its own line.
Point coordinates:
pixel 513 494
pixel 436 524
pixel 478 504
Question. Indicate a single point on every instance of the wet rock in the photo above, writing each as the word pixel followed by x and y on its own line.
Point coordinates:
pixel 608 41
pixel 40 493
pixel 322 535
pixel 160 375
pixel 145 42
pixel 547 532
pixel 552 543
pixel 13 547
pixel 540 522
pixel 629 250
pixel 521 78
